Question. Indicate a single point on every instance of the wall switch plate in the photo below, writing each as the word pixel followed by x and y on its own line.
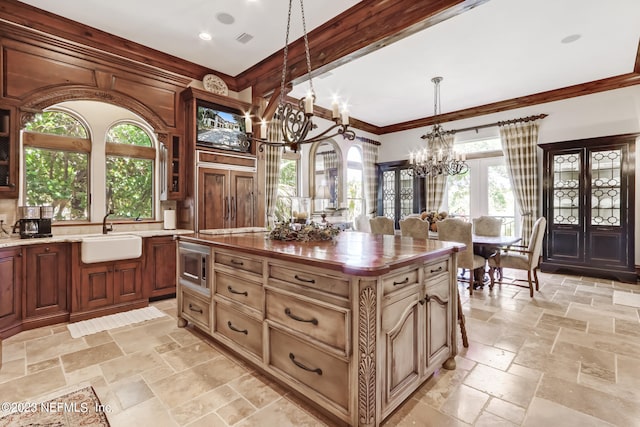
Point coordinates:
pixel 3 218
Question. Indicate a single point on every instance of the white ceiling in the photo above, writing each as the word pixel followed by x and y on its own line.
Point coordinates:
pixel 500 50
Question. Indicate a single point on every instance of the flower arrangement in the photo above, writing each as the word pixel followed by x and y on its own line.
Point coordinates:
pixel 311 232
pixel 433 217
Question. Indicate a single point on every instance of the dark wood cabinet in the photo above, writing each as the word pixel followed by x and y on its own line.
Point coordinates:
pixel 159 266
pixel 105 288
pixel 173 172
pixel 47 279
pixel 400 192
pixel 9 155
pixel 10 290
pixel 589 189
pixel 226 198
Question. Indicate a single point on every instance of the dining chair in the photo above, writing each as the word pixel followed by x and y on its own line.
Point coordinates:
pixel 414 227
pixel 487 226
pixel 382 225
pixel 361 223
pixel 456 230
pixel 520 257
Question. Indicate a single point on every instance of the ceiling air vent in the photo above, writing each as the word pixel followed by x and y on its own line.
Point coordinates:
pixel 244 38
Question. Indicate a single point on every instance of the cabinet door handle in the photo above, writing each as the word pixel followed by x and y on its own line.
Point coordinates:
pixel 196 309
pixel 233 291
pixel 302 279
pixel 436 270
pixel 226 207
pixel 233 208
pixel 234 262
pixel 47 249
pixel 406 280
pixel 313 320
pixel 301 366
pixel 435 298
pixel 233 328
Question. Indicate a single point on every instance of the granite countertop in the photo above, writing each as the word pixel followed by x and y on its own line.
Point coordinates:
pixel 15 240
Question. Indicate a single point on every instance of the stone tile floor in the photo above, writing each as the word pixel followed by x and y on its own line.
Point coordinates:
pixel 567 357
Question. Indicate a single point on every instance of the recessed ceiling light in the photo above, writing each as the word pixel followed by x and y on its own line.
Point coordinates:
pixel 570 39
pixel 225 18
pixel 205 36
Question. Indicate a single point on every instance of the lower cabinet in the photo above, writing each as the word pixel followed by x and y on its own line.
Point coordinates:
pixel 10 290
pixel 47 281
pixel 104 285
pixel 159 266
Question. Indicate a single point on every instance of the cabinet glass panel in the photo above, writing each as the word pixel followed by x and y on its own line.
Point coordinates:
pixel 389 194
pixel 605 187
pixel 566 189
pixel 406 192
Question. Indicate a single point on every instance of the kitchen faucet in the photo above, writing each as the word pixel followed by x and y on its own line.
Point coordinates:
pixel 106 229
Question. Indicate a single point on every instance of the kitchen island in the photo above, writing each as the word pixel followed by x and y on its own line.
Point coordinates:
pixel 354 325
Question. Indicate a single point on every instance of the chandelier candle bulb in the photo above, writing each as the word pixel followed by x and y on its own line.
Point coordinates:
pixel 248 126
pixel 308 104
pixel 263 129
pixel 345 115
pixel 335 109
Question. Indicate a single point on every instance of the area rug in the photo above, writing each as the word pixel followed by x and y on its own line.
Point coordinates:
pixel 626 298
pixel 79 408
pixel 112 321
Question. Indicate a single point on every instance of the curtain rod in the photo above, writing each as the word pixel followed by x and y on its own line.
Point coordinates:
pixel 501 123
pixel 368 140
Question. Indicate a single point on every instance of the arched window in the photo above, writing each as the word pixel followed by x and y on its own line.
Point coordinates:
pixel 129 157
pixel 355 183
pixel 56 164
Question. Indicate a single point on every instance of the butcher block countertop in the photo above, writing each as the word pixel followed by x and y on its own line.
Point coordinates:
pixel 352 252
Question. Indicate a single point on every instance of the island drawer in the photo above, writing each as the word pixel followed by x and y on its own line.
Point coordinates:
pixel 196 309
pixel 252 265
pixel 239 328
pixel 399 280
pixel 320 371
pixel 330 284
pixel 324 322
pixel 435 268
pixel 239 290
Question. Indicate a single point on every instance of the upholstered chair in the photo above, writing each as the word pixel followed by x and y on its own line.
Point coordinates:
pixel 522 257
pixel 414 227
pixel 487 226
pixel 382 225
pixel 456 230
pixel 361 223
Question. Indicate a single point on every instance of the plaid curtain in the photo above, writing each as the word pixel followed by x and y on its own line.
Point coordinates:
pixel 519 144
pixel 330 159
pixel 436 185
pixel 369 159
pixel 273 156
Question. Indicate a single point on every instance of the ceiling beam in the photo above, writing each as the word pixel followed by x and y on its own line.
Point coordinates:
pixel 582 89
pixel 362 29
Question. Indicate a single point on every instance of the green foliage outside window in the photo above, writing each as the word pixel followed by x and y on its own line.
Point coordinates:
pixel 57 178
pixel 129 181
pixel 287 188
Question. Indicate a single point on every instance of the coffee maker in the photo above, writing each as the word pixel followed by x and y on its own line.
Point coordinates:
pixel 35 221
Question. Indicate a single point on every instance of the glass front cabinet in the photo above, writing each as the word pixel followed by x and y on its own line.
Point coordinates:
pixel 400 192
pixel 588 201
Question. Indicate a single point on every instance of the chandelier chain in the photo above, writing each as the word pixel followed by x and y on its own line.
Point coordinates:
pixel 306 48
pixel 286 55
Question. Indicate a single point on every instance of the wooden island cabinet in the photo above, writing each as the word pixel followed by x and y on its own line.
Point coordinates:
pixel 354 325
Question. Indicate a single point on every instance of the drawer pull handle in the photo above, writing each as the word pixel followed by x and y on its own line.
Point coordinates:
pixel 301 366
pixel 300 319
pixel 436 270
pixel 234 262
pixel 436 298
pixel 233 291
pixel 406 280
pixel 196 309
pixel 302 279
pixel 233 328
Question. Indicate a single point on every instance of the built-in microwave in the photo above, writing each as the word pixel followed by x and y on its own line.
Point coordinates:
pixel 194 266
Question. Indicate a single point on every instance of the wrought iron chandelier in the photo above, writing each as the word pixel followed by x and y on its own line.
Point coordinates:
pixel 291 123
pixel 438 157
